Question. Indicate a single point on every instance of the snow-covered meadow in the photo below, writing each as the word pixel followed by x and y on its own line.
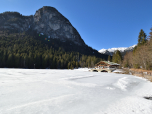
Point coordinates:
pixel 45 91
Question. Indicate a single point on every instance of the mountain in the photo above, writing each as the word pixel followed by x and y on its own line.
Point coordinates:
pixel 48 23
pixel 47 20
pixel 123 50
pixel 44 40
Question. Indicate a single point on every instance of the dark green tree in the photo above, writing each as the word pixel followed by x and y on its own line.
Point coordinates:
pixel 117 57
pixel 142 38
pixel 109 58
pixel 10 61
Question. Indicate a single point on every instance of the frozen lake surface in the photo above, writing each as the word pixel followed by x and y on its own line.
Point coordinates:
pixel 45 91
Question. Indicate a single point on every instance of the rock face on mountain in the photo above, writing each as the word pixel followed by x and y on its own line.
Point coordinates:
pixel 47 21
pixel 15 21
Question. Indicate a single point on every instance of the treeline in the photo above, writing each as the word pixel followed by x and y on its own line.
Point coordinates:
pixel 141 57
pixel 49 59
pixel 25 51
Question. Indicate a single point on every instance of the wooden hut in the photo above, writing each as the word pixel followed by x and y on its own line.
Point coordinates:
pixel 106 64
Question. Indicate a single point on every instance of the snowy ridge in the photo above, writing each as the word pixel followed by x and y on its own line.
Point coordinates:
pixel 110 51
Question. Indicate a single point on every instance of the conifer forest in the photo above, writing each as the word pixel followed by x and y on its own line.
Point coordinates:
pixel 33 50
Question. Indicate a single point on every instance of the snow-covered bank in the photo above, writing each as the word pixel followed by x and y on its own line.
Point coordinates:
pixel 38 91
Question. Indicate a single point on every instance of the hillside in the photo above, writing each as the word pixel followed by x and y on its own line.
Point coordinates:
pixel 45 40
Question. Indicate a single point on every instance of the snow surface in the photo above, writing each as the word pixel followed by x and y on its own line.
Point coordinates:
pixel 38 91
pixel 121 49
pixel 118 71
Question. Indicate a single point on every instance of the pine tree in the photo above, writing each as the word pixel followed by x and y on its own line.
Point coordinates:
pixel 69 64
pixel 17 60
pixel 117 57
pixel 77 64
pixel 109 58
pixel 142 37
pixel 25 60
pixel 10 61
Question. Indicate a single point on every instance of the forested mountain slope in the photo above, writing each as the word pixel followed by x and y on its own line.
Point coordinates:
pixel 45 40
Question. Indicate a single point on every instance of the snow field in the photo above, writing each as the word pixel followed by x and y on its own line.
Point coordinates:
pixel 45 91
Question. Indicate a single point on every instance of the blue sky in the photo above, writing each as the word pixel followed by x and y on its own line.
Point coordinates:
pixel 101 23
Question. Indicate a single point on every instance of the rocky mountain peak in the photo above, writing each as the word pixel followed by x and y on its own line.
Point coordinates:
pixel 47 20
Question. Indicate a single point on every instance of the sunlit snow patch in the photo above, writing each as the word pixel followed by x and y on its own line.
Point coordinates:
pixel 122 83
pixel 110 88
